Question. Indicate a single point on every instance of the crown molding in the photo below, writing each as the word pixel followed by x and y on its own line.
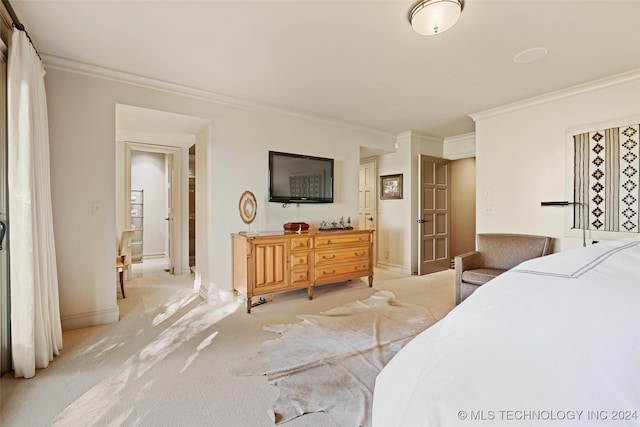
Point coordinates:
pixel 560 94
pixel 63 64
pixel 404 136
pixel 471 136
pixel 418 134
pixel 460 146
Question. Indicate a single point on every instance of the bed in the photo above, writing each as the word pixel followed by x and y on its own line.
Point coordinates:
pixel 554 341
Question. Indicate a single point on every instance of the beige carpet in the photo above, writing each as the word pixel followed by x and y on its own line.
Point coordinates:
pixel 168 361
pixel 329 362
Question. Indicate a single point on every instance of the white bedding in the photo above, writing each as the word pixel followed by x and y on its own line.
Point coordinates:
pixel 555 341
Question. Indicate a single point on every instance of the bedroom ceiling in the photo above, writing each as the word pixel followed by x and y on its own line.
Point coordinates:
pixel 357 62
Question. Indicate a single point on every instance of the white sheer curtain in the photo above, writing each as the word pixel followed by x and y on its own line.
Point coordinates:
pixel 36 332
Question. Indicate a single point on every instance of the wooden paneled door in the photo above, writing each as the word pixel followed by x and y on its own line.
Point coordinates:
pixel 434 216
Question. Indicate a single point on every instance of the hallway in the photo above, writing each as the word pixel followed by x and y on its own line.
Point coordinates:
pixel 149 268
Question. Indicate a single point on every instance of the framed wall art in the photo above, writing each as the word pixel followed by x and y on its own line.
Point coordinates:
pixel 391 186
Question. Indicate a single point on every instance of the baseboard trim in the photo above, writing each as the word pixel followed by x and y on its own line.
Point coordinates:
pixel 210 293
pixel 93 318
pixel 154 256
pixel 393 267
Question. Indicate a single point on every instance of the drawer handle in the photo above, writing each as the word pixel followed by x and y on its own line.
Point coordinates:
pixel 301 261
pixel 363 253
pixel 301 277
pixel 329 241
pixel 329 257
pixel 328 273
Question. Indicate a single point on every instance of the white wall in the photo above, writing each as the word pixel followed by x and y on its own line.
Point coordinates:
pixel 522 157
pixel 234 150
pixel 394 239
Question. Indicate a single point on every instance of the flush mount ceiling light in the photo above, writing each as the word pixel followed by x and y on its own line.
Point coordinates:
pixel 431 17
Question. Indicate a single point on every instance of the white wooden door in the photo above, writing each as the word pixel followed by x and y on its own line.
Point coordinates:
pixel 433 218
pixel 367 195
pixel 170 176
pixel 367 200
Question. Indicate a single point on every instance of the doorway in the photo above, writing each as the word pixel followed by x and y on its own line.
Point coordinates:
pixel 171 134
pixel 152 183
pixel 151 209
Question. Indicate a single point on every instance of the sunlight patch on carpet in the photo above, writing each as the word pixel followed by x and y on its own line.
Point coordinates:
pixel 112 401
pixel 329 362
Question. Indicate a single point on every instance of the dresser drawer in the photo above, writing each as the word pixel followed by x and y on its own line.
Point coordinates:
pixel 336 273
pixel 331 240
pixel 300 243
pixel 299 277
pixel 332 256
pixel 299 259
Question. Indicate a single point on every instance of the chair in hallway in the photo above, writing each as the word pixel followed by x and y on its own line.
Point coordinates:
pixel 123 257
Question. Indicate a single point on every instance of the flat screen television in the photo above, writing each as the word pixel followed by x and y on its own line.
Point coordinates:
pixel 296 178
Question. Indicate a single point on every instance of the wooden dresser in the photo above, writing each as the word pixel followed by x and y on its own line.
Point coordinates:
pixel 272 262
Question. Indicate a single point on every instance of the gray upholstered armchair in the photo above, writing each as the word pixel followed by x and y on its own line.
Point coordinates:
pixel 496 254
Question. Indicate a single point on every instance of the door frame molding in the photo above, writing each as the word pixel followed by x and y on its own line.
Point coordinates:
pixel 175 204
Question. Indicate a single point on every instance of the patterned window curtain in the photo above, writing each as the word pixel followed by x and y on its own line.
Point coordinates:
pixel 607 179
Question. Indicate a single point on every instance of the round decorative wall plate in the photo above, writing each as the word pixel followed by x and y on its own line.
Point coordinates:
pixel 247 206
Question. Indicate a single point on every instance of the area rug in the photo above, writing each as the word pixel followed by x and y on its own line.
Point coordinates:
pixel 329 362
